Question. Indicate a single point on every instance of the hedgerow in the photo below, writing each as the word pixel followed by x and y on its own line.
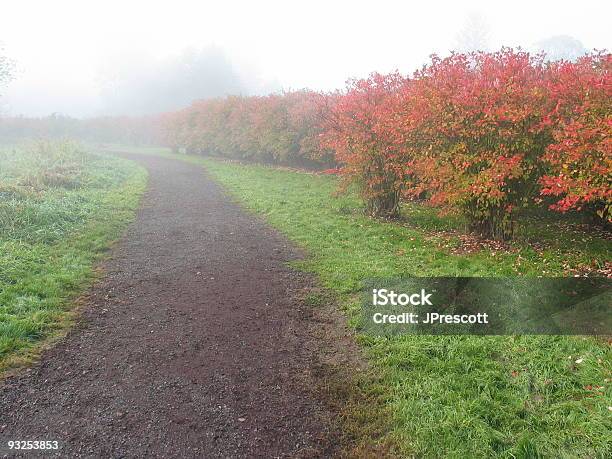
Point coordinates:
pixel 480 134
pixel 279 128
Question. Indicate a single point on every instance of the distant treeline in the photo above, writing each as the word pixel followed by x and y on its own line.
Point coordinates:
pixel 111 129
pixel 482 134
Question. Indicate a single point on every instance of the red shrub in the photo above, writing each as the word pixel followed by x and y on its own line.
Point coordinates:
pixel 580 158
pixel 474 134
pixel 356 128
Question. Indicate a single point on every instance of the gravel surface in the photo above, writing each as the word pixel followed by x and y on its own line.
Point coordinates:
pixel 193 344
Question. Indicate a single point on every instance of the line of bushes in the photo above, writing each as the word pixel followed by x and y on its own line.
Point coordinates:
pixel 481 134
pixel 484 134
pixel 274 129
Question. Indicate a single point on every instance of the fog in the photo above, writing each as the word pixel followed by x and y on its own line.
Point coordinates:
pixel 142 84
pixel 116 57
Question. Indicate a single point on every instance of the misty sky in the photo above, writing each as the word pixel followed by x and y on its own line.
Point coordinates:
pixel 86 58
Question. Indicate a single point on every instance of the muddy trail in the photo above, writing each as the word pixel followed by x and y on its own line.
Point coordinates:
pixel 194 343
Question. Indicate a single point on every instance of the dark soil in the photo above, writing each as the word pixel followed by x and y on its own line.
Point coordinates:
pixel 195 343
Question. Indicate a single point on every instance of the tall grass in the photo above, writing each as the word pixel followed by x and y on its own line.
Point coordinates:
pixel 60 208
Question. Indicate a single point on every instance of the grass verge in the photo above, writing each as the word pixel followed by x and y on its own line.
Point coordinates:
pixel 446 396
pixel 60 210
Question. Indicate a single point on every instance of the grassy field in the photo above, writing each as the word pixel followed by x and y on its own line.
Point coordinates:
pixel 452 396
pixel 60 209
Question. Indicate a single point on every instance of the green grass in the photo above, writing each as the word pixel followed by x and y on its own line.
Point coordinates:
pixel 451 396
pixel 60 209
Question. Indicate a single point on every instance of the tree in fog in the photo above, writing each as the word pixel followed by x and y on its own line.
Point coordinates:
pixel 561 47
pixel 144 86
pixel 6 69
pixel 474 36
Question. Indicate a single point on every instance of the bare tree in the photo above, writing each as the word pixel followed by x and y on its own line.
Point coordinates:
pixel 6 69
pixel 474 36
pixel 146 85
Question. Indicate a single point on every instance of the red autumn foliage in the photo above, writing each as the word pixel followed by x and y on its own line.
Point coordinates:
pixel 478 133
pixel 482 134
pixel 580 158
pixel 355 128
pixel 474 134
pixel 279 128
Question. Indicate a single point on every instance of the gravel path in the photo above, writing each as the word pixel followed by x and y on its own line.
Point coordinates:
pixel 194 343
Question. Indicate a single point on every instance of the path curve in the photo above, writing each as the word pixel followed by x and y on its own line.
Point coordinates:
pixel 192 345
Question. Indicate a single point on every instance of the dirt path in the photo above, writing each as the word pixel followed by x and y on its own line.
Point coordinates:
pixel 193 344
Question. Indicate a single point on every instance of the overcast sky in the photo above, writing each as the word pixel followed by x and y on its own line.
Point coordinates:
pixel 67 52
